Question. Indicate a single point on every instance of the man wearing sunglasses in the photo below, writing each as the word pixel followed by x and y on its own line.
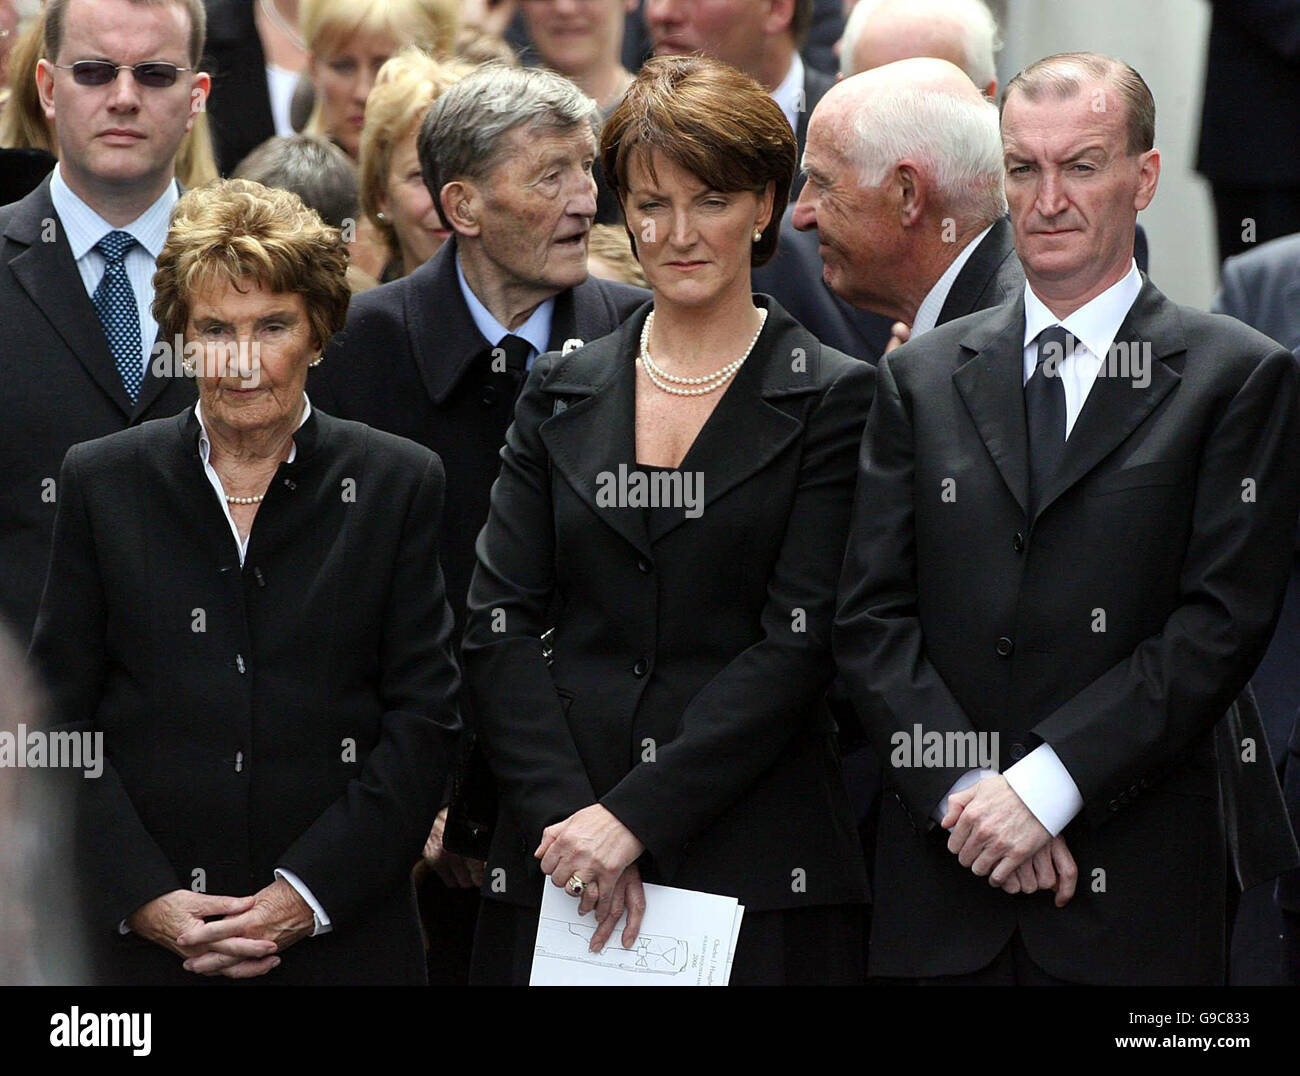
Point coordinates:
pixel 121 87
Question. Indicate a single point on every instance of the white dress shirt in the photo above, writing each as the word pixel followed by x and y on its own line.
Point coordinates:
pixel 84 228
pixel 927 314
pixel 790 93
pixel 280 84
pixel 1040 779
pixel 536 330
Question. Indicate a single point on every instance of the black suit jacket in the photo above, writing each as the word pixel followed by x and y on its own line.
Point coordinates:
pixel 239 106
pixel 699 644
pixel 412 361
pixel 296 713
pixel 959 613
pixel 58 385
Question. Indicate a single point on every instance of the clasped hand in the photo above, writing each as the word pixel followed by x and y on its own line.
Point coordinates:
pixel 243 943
pixel 992 832
pixel 596 847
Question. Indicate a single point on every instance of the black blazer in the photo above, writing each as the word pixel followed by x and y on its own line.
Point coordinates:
pixel 297 713
pixel 239 106
pixel 58 385
pixel 963 614
pixel 412 361
pixel 700 643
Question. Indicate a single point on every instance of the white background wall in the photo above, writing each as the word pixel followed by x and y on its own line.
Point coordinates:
pixel 1165 41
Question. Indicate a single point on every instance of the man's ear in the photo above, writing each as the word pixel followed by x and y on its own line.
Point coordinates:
pixel 460 202
pixel 913 191
pixel 1148 178
pixel 45 87
pixel 780 17
pixel 199 91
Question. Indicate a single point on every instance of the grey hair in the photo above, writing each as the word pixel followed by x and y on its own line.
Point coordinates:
pixel 956 139
pixel 314 169
pixel 979 42
pixel 461 134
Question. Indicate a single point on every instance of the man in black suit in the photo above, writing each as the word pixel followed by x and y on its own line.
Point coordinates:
pixel 77 260
pixel 1070 544
pixel 440 355
pixel 911 230
pixel 760 37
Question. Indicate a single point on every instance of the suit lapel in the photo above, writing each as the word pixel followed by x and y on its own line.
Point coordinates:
pixel 442 335
pixel 1115 405
pixel 991 385
pixel 980 269
pixel 49 275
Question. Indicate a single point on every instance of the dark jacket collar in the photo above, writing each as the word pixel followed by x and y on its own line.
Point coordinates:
pixel 307 438
pixel 976 285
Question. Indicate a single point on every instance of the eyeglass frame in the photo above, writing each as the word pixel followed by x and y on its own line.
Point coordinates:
pixel 119 68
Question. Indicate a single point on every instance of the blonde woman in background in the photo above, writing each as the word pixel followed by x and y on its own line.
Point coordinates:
pixel 348 41
pixel 393 193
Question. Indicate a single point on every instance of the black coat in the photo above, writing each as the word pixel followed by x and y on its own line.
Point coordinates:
pixel 58 385
pixel 239 106
pixel 966 615
pixel 691 654
pixel 412 361
pixel 298 713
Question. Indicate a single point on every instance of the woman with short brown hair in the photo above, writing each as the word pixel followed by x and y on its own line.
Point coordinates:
pixel 673 502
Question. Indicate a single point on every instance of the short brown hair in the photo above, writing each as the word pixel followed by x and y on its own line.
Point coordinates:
pixel 1062 76
pixel 712 120
pixel 236 229
pixel 55 11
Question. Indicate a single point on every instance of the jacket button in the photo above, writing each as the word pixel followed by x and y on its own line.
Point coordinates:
pixel 239 761
pixel 257 575
pixel 1113 805
pixel 239 663
pixel 1018 542
pixel 644 566
pixel 1004 647
pixel 640 668
pixel 490 395
pixel 1017 751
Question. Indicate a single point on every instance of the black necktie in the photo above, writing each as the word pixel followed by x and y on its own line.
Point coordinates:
pixel 1045 410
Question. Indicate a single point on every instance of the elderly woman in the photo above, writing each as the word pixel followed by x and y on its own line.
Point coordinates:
pixel 393 191
pixel 673 502
pixel 245 601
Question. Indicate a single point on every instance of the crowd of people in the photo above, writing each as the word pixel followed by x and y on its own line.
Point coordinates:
pixel 459 448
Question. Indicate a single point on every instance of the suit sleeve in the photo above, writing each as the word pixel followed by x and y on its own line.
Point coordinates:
pixel 1152 707
pixel 879 645
pixel 517 714
pixel 1234 294
pixel 118 860
pixel 741 722
pixel 364 844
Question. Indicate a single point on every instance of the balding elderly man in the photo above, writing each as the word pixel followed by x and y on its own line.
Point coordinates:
pixel 1073 526
pixel 963 32
pixel 904 190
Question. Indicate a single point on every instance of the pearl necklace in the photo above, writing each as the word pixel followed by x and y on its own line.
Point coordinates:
pixel 666 382
pixel 245 500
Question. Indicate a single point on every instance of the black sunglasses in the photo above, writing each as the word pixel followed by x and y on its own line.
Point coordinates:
pixel 155 74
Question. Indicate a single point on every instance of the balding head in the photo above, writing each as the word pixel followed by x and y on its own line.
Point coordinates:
pixel 904 168
pixel 963 32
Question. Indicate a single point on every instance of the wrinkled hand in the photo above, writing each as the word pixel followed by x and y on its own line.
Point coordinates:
pixel 991 830
pixel 456 871
pixel 899 334
pixel 595 846
pixel 278 915
pixel 1051 867
pixel 167 919
pixel 629 894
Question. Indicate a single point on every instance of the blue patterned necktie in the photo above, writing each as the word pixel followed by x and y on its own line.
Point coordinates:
pixel 119 313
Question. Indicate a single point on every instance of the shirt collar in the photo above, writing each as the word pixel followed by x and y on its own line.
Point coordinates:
pixel 84 227
pixel 1096 322
pixel 536 330
pixel 205 446
pixel 927 314
pixel 790 90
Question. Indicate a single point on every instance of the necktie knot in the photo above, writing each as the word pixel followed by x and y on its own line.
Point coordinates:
pixel 115 245
pixel 1055 345
pixel 517 350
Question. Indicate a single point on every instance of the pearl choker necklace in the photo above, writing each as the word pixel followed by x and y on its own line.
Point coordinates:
pixel 709 383
pixel 244 500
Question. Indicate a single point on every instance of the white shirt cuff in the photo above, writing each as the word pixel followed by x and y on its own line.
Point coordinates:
pixel 1045 786
pixel 963 782
pixel 321 920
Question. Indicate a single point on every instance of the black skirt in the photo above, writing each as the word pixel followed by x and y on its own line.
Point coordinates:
pixel 795 947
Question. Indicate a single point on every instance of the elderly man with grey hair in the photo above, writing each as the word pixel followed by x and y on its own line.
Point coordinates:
pixel 963 32
pixel 440 355
pixel 904 189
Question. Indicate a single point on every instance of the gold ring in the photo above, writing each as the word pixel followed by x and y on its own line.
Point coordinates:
pixel 575 886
